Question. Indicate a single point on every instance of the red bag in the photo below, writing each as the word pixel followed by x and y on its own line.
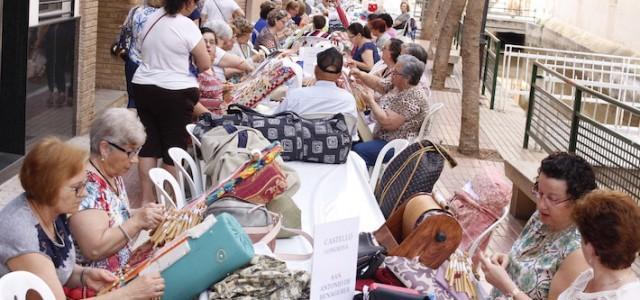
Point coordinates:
pixel 263 186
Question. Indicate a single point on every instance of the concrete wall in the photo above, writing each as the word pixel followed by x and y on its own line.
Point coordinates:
pixel 606 26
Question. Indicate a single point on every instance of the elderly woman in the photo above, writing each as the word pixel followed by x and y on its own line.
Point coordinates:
pixel 243 47
pixel 609 223
pixel 35 234
pixel 165 85
pixel 546 257
pixel 226 63
pixel 105 225
pixel 276 23
pixel 400 112
pixel 379 31
pixel 364 53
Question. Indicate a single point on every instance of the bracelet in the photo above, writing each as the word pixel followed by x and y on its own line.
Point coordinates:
pixel 126 235
pixel 515 292
pixel 82 277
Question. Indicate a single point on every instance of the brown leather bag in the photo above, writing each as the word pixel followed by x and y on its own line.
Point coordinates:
pixel 419 227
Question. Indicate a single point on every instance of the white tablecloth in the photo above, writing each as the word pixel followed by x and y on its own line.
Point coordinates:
pixel 330 193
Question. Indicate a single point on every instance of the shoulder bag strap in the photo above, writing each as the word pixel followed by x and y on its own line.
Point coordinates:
pixel 274 232
pixel 152 25
pixel 220 10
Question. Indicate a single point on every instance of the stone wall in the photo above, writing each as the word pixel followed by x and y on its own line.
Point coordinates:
pixel 86 78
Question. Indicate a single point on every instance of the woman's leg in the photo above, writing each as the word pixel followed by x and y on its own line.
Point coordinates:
pixel 369 150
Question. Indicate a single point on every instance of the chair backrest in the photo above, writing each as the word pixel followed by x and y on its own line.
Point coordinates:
pixel 159 176
pixel 196 144
pixel 397 145
pixel 15 285
pixel 194 180
pixel 486 233
pixel 425 128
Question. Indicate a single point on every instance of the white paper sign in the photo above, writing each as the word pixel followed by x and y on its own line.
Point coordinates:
pixel 335 254
pixel 309 60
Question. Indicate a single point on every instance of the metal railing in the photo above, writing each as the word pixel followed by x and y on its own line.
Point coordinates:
pixel 575 125
pixel 491 61
pixel 615 76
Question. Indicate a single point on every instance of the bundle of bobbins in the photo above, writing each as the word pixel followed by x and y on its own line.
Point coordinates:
pixel 458 275
pixel 177 221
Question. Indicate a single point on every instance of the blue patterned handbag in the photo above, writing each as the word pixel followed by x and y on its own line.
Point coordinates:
pixel 322 140
pixel 213 249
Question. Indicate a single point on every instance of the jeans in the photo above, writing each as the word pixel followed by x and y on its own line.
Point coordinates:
pixel 369 151
pixel 130 68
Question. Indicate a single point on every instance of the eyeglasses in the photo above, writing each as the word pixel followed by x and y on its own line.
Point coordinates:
pixel 130 154
pixel 79 188
pixel 543 197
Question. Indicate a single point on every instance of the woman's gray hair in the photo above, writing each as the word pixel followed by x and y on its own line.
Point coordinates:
pixel 119 126
pixel 412 68
pixel 220 28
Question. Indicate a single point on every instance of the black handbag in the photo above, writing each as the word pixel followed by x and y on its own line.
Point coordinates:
pixel 122 44
pixel 323 140
pixel 370 256
pixel 414 170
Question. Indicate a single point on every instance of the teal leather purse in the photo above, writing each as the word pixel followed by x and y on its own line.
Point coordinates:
pixel 209 253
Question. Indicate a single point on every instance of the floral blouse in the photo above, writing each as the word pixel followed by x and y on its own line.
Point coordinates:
pixel 536 256
pixel 412 105
pixel 100 196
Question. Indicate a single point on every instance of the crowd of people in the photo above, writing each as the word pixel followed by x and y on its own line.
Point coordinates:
pixel 74 226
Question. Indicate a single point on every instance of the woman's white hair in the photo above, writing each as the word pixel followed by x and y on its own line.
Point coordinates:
pixel 220 28
pixel 411 68
pixel 120 126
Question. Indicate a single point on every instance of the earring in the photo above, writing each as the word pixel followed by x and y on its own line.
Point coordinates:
pixel 101 158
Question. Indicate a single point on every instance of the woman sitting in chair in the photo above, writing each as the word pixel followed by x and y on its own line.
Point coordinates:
pixel 546 257
pixel 609 223
pixel 104 226
pixel 399 113
pixel 35 234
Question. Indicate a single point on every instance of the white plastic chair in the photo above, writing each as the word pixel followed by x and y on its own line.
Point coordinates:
pixel 180 157
pixel 397 145
pixel 159 176
pixel 476 243
pixel 196 144
pixel 15 285
pixel 425 128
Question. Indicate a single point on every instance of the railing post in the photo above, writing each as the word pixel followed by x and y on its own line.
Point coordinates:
pixel 495 73
pixel 486 58
pixel 532 99
pixel 577 106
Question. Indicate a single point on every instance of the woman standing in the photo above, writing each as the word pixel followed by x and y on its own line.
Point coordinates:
pixel 364 53
pixel 165 84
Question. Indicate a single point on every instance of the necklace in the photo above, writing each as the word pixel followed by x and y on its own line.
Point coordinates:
pixel 114 189
pixel 59 242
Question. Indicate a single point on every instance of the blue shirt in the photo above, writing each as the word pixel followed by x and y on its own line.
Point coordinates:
pixel 262 23
pixel 357 52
